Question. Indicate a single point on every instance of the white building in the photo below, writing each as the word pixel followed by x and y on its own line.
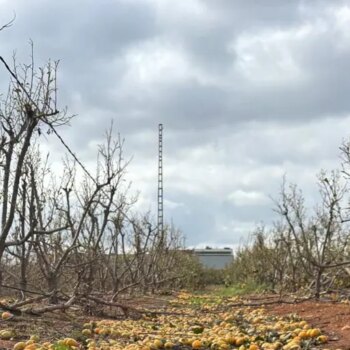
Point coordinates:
pixel 214 258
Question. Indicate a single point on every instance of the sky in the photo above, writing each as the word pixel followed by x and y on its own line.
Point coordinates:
pixel 247 91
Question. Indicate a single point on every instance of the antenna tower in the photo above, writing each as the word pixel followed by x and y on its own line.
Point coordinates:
pixel 160 181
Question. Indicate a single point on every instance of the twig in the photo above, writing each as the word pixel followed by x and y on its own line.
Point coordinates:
pixel 8 24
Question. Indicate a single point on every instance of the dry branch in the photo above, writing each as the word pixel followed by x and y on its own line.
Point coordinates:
pixel 50 308
pixel 125 308
pixel 8 24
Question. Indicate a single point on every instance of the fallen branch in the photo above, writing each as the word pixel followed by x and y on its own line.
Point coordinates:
pixel 49 308
pixel 125 308
pixel 30 301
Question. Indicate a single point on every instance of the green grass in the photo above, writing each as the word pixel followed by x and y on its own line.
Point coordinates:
pixel 58 346
pixel 238 289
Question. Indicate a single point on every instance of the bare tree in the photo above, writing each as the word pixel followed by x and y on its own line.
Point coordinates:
pixel 75 231
pixel 320 240
pixel 28 108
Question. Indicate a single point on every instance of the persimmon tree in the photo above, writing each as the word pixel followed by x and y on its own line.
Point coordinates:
pixel 27 109
pixel 320 239
pixel 72 234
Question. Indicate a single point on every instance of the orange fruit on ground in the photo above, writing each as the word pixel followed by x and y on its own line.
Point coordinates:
pixel 223 346
pixel 158 343
pixel 6 315
pixel 315 332
pixel 196 344
pixel 297 340
pixel 6 334
pixel 322 339
pixel 70 342
pixel 35 338
pixel 86 332
pixel 229 339
pixel 240 341
pixel 30 347
pixel 303 335
pixel 19 346
pixel 253 347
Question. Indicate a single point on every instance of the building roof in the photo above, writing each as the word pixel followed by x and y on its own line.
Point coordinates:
pixel 206 251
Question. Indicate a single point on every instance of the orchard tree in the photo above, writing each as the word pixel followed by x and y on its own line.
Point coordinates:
pixel 27 109
pixel 320 239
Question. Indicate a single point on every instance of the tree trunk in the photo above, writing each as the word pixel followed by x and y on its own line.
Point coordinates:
pixel 1 279
pixel 52 283
pixel 23 282
pixel 318 284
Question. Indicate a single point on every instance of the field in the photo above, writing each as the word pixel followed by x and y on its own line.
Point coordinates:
pixel 187 321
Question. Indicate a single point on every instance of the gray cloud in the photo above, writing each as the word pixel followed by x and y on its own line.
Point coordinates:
pixel 247 91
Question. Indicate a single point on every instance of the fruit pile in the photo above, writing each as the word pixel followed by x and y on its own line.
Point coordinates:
pixel 188 323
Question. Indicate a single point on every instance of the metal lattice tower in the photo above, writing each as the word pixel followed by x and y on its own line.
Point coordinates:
pixel 160 181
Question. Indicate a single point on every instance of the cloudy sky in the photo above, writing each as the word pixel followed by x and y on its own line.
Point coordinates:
pixel 247 91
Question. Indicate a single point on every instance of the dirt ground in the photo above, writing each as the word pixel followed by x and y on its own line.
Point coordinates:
pixel 333 318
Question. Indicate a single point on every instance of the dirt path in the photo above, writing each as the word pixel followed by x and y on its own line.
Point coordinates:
pixel 332 318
